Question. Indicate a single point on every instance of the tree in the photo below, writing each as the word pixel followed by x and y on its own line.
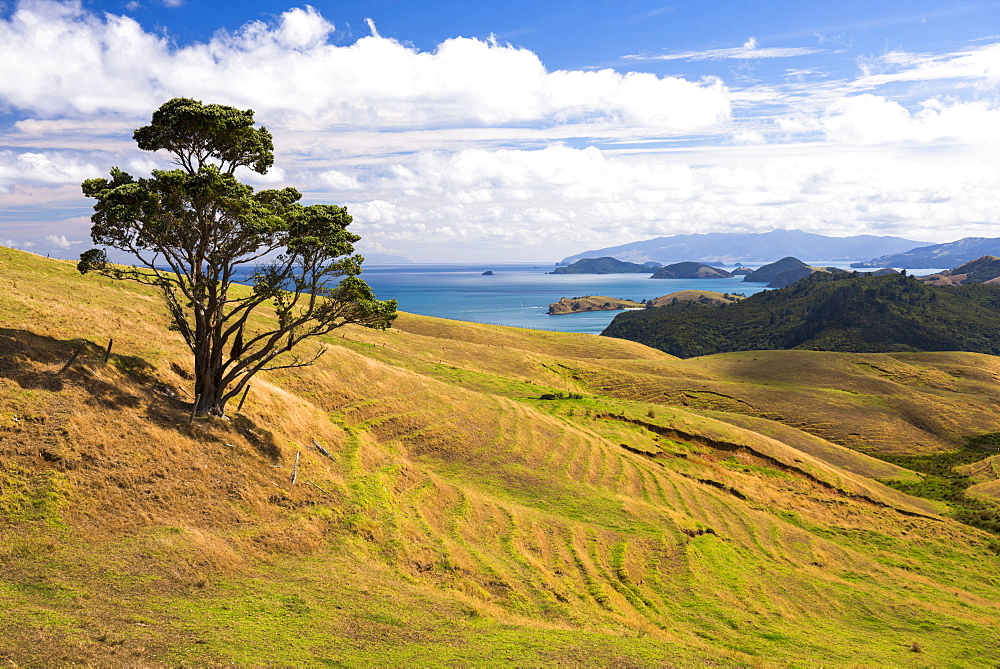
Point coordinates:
pixel 197 229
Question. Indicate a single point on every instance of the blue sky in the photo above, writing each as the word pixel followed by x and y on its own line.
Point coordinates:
pixel 527 130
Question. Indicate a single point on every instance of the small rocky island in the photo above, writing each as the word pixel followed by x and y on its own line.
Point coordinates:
pixel 576 305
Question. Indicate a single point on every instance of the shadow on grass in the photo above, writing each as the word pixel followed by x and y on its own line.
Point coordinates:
pixel 24 354
pixel 262 440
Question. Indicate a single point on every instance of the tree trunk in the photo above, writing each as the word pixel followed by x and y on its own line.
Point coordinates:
pixel 207 385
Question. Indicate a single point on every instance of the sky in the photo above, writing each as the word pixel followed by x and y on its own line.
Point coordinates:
pixel 522 131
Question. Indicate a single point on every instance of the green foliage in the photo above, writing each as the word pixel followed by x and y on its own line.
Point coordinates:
pixel 944 484
pixel 690 270
pixel 835 312
pixel 606 265
pixel 194 132
pixel 206 227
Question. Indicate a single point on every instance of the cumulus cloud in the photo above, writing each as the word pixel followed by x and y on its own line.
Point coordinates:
pixel 873 119
pixel 34 167
pixel 337 180
pixel 59 59
pixel 60 241
pixel 557 200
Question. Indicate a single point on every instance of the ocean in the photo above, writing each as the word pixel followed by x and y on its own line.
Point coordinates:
pixel 520 294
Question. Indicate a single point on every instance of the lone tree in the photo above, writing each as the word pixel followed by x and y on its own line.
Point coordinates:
pixel 195 230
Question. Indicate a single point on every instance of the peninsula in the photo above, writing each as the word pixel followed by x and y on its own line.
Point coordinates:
pixel 575 305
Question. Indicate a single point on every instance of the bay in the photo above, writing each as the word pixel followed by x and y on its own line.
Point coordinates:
pixel 519 294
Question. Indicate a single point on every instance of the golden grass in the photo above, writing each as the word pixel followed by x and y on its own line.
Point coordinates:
pixel 680 510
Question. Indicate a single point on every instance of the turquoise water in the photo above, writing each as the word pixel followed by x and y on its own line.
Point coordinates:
pixel 519 294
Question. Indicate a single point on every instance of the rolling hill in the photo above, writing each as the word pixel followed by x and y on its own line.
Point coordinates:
pixel 980 270
pixel 828 311
pixel 737 509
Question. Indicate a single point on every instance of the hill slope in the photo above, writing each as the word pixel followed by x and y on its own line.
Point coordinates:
pixel 980 270
pixel 836 312
pixel 664 517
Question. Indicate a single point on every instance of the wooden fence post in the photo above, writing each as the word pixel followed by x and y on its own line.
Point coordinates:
pixel 107 353
pixel 194 408
pixel 295 469
pixel 72 358
pixel 243 399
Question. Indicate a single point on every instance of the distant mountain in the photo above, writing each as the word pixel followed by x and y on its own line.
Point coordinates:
pixel 951 254
pixel 835 312
pixel 690 270
pixel 607 265
pixel 733 247
pixel 980 270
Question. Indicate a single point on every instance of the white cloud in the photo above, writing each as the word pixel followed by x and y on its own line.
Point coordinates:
pixel 749 51
pixel 555 201
pixel 872 119
pixel 60 241
pixel 980 64
pixel 58 59
pixel 338 180
pixel 34 167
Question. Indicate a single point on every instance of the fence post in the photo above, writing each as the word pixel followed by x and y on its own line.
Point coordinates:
pixel 295 469
pixel 107 353
pixel 243 399
pixel 72 358
pixel 194 408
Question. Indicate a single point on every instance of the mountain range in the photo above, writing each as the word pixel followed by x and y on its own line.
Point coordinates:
pixel 949 255
pixel 735 247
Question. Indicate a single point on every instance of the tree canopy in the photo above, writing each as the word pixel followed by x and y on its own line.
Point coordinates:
pixel 197 230
pixel 834 312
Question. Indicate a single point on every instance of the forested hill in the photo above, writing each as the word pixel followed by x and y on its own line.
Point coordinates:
pixel 607 266
pixel 849 312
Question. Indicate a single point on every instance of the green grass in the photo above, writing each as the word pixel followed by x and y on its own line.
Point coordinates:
pixel 943 483
pixel 461 519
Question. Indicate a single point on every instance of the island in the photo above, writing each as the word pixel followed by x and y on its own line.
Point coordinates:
pixel 606 266
pixel 786 271
pixel 690 270
pixel 576 305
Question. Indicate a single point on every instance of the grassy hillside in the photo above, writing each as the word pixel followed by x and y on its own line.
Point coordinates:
pixel 826 311
pixel 674 512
